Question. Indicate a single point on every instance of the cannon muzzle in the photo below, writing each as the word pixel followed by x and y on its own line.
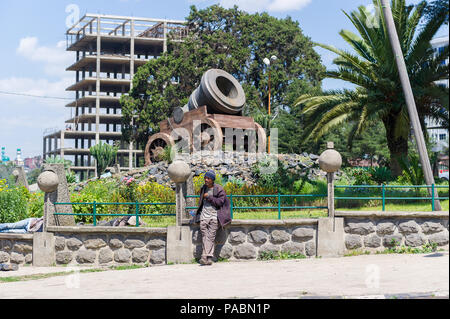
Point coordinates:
pixel 220 92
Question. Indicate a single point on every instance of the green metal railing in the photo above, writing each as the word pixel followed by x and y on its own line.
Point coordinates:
pixel 95 204
pixel 278 207
pixel 383 197
pixel 279 197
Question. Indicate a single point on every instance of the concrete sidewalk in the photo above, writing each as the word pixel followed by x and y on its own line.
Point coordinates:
pixel 372 276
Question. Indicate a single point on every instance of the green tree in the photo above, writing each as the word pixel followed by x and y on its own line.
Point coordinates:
pixel 104 155
pixel 228 39
pixel 436 6
pixel 370 145
pixel 33 175
pixel 6 170
pixel 70 176
pixel 378 95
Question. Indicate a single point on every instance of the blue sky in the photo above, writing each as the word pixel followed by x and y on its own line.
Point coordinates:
pixel 33 57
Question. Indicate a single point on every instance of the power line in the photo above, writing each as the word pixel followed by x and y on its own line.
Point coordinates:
pixel 38 96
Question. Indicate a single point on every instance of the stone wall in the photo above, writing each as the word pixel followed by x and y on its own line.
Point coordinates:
pixel 16 248
pixel 106 246
pixel 247 239
pixel 241 240
pixel 376 231
pixel 237 168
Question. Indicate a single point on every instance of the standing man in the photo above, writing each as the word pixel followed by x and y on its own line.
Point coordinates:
pixel 213 210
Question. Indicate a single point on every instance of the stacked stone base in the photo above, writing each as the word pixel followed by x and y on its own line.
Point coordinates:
pixel 244 241
pixel 241 240
pixel 108 246
pixel 378 232
pixel 16 248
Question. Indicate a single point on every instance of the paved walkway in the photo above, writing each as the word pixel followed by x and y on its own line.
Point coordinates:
pixel 366 276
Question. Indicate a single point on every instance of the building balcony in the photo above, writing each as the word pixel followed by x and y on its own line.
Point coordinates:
pixel 106 101
pixel 91 118
pixel 106 85
pixel 109 63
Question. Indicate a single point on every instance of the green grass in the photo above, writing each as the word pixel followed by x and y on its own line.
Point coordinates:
pixel 282 255
pixel 357 252
pixel 64 273
pixel 410 207
pixel 424 206
pixel 260 214
pixel 425 249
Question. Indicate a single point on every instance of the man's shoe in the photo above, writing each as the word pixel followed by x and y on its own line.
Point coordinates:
pixel 203 261
pixel 209 261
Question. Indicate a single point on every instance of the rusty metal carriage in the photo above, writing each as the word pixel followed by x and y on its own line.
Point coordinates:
pixel 210 120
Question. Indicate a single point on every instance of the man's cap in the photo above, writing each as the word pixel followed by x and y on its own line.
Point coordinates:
pixel 211 175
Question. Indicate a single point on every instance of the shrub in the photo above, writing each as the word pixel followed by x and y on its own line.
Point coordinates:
pixel 104 155
pixel 36 205
pixel 153 192
pixel 361 176
pixel 13 203
pixel 281 179
pixel 412 173
pixel 97 190
pixel 380 175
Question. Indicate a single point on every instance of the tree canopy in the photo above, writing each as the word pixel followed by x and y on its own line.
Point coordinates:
pixel 371 67
pixel 227 39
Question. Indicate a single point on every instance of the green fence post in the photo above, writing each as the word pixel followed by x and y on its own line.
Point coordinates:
pixel 432 197
pixel 137 214
pixel 384 196
pixel 279 206
pixel 231 205
pixel 95 211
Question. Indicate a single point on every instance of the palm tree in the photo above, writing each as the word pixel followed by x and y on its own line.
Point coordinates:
pixel 378 95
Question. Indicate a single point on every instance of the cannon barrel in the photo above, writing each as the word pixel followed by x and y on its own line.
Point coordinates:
pixel 220 92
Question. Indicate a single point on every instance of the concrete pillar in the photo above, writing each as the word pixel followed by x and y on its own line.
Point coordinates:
pixel 330 182
pixel 179 240
pixel 20 176
pixel 190 202
pixel 97 88
pixel 180 193
pixel 43 249
pixel 330 233
pixel 55 143
pixel 62 144
pixel 165 37
pixel 330 161
pixel 53 182
pixel 49 145
pixel 330 237
pixel 130 150
pixel 44 147
pixel 178 245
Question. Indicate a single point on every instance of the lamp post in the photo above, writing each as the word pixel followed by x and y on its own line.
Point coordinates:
pixel 268 62
pixel 409 98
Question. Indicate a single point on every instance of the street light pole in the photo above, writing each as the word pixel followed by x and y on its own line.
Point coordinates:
pixel 409 97
pixel 268 138
pixel 268 62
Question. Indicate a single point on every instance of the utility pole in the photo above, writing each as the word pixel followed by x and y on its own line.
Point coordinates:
pixel 409 97
pixel 268 63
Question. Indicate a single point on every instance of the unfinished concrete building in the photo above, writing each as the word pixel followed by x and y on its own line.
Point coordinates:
pixel 109 49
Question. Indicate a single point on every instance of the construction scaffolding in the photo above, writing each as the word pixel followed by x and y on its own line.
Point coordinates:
pixel 109 49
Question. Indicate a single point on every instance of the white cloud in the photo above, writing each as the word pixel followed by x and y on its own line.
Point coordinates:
pixel 25 118
pixel 55 58
pixel 39 87
pixel 266 5
pixel 287 5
